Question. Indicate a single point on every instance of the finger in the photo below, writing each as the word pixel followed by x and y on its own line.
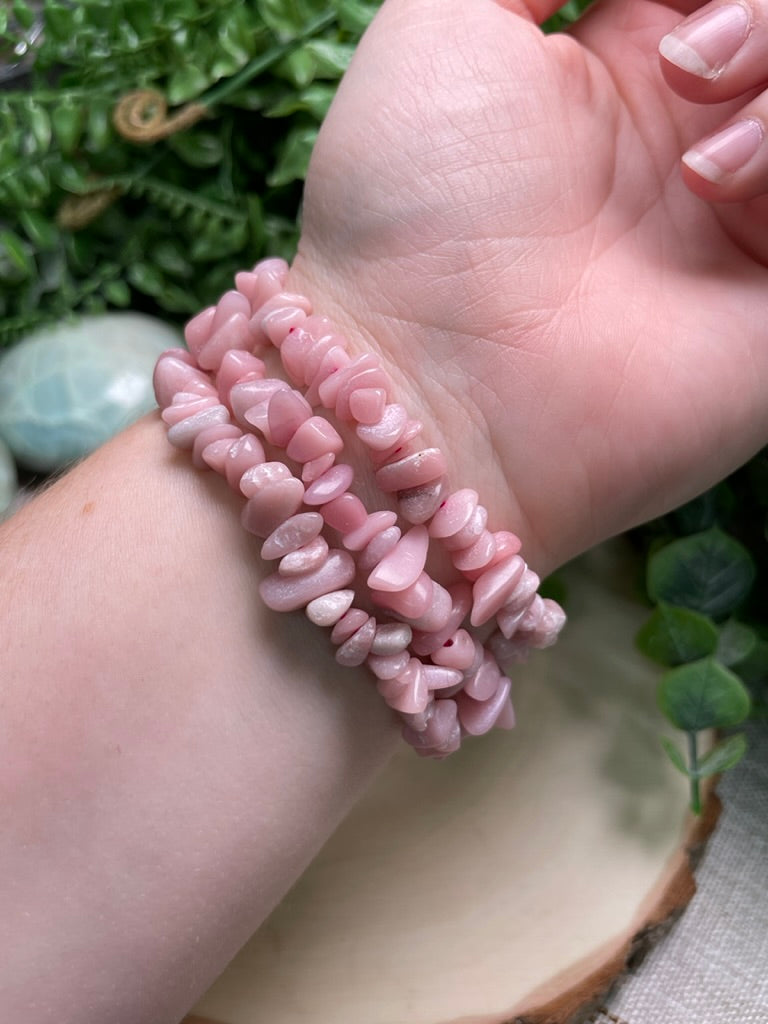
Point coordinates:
pixel 732 164
pixel 718 53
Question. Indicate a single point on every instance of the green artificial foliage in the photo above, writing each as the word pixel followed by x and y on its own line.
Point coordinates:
pixel 210 177
pixel 706 570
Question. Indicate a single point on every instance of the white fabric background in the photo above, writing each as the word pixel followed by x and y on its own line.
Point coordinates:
pixel 712 968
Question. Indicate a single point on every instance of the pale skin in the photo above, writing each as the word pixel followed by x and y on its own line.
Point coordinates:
pixel 506 219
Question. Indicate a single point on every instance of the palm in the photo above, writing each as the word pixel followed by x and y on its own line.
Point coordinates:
pixel 512 229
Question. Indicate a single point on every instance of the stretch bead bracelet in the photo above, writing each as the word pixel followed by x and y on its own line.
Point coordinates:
pixel 440 654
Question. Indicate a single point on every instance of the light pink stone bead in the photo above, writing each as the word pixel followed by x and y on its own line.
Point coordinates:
pixel 333 362
pixel 207 437
pixel 246 451
pixel 372 378
pixel 409 692
pixel 330 485
pixel 315 468
pixel 419 504
pixel 419 722
pixel 198 329
pixel 234 332
pixel 345 513
pixel 440 677
pixel 484 682
pixel 478 555
pixel 271 504
pixel 506 719
pixel 304 559
pixel 250 393
pixel 377 548
pixel 236 366
pixel 470 533
pixel 383 434
pixel 391 638
pixel 293 354
pixel 387 666
pixel 257 477
pixel 278 324
pixel 265 280
pixel 366 405
pixel 437 613
pixel 185 405
pixel 411 602
pixel 507 544
pixel 403 565
pixel 550 622
pixel 420 468
pixel 183 434
pixel 173 373
pixel 278 301
pixel 214 455
pixel 458 651
pixel 291 535
pixel 328 389
pixel 328 609
pixel 230 304
pixel 479 717
pixel 286 411
pixel 461 602
pixel 508 653
pixel 355 650
pixel 288 593
pixel 441 725
pixel 348 624
pixel 405 445
pixel 454 513
pixel 508 620
pixel 523 594
pixel 314 438
pixel 317 353
pixel 376 523
pixel 492 590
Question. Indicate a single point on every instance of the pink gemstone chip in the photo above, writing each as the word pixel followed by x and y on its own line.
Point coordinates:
pixel 198 329
pixel 492 590
pixel 391 638
pixel 403 565
pixel 383 434
pixel 345 513
pixel 288 593
pixel 461 602
pixel 313 439
pixel 271 504
pixel 348 624
pixel 183 434
pixel 315 468
pixel 479 717
pixel 257 477
pixel 233 333
pixel 377 548
pixel 328 609
pixel 355 650
pixel 419 504
pixel 388 666
pixel 246 452
pixel 411 471
pixel 484 682
pixel 376 523
pixel 411 602
pixel 291 535
pixel 366 405
pixel 330 485
pixel 286 411
pixel 454 513
pixel 173 373
pixel 236 366
pixel 311 556
pixel 280 322
pixel 469 534
pixel 458 651
pixel 209 436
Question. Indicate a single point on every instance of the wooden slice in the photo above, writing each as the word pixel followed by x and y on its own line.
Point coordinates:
pixel 510 882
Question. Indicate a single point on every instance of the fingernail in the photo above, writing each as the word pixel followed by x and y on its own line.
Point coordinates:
pixel 704 44
pixel 726 152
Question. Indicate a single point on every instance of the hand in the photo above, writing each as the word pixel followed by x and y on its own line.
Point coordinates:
pixel 505 216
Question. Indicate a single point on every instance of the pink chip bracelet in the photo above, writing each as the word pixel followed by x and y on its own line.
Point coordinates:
pixel 440 653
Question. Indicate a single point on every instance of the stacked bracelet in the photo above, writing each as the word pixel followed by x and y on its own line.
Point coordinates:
pixel 440 654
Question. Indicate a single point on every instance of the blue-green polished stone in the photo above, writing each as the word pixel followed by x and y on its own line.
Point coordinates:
pixel 8 481
pixel 66 390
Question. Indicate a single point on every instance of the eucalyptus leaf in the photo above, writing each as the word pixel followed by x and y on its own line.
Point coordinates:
pixel 723 756
pixel 735 642
pixel 709 572
pixel 675 755
pixel 703 695
pixel 673 636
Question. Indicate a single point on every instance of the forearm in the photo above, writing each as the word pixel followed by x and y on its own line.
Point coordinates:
pixel 173 753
